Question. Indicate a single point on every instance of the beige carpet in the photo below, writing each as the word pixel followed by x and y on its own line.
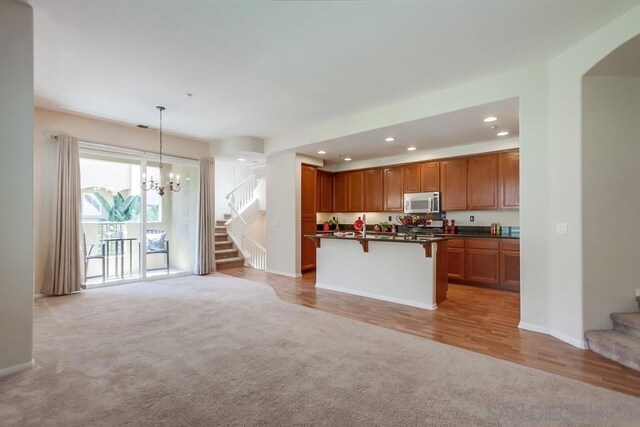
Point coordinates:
pixel 223 351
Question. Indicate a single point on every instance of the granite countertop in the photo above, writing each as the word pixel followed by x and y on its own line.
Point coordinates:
pixel 478 235
pixel 381 237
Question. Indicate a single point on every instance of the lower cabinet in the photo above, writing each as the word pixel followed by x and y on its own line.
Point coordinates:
pixel 484 261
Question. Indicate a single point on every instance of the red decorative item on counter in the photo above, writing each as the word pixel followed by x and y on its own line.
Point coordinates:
pixel 445 226
pixel 325 226
pixel 453 228
pixel 358 224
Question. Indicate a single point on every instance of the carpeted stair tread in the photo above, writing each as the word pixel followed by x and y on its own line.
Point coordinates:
pixel 229 260
pixel 221 229
pixel 223 243
pixel 226 253
pixel 617 346
pixel 628 323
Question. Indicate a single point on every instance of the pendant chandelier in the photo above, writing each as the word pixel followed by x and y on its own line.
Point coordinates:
pixel 157 185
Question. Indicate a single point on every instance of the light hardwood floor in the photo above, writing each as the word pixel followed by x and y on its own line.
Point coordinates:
pixel 481 320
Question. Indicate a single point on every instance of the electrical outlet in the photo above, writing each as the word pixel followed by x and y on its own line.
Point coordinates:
pixel 472 218
pixel 389 217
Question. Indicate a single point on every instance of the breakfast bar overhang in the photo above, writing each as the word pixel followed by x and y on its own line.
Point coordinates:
pixel 412 272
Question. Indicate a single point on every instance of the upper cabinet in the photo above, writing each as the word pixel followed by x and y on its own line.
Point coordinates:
pixel 411 178
pixel 488 181
pixel 430 176
pixel 482 182
pixel 453 184
pixel 509 180
pixel 324 187
pixel 355 191
pixel 373 190
pixel 340 192
pixel 393 189
pixel 308 191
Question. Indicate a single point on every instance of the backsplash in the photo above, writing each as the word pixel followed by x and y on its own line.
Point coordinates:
pixel 481 218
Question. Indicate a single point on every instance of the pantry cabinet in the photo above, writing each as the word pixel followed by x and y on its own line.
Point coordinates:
pixel 324 196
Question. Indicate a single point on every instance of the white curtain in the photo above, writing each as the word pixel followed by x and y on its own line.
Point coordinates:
pixel 67 270
pixel 205 246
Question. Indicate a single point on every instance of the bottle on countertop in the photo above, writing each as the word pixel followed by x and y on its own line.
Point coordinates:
pixel 445 226
pixel 393 228
pixel 453 228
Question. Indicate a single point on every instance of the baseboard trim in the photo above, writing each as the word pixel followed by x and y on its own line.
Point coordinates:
pixel 378 297
pixel 284 273
pixel 582 344
pixel 17 368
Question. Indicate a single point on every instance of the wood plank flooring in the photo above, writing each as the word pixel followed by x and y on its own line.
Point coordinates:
pixel 477 319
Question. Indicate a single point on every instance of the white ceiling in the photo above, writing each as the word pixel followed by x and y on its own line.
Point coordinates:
pixel 432 133
pixel 262 67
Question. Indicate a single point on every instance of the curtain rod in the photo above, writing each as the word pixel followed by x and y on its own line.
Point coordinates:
pixel 99 145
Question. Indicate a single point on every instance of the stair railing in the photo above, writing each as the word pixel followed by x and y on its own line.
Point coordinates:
pixel 240 197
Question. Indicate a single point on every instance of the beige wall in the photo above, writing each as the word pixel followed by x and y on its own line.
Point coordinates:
pixel 47 123
pixel 16 193
pixel 611 180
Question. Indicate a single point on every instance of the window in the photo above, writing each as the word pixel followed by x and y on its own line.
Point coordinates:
pixel 91 207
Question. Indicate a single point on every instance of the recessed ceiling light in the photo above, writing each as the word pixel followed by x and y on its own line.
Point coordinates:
pixel 411 148
pixel 503 133
pixel 241 160
pixel 490 119
pixel 347 159
pixel 322 152
pixel 390 139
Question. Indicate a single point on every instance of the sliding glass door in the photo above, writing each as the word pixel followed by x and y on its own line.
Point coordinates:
pixel 171 220
pixel 131 234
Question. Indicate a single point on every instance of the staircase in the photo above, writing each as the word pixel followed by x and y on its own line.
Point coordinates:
pixel 622 343
pixel 247 204
pixel 227 255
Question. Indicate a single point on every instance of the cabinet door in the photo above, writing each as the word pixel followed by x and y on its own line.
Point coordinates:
pixel 455 261
pixel 308 246
pixel 373 190
pixel 509 180
pixel 482 182
pixel 393 192
pixel 325 192
pixel 340 192
pixel 411 178
pixel 482 265
pixel 308 191
pixel 453 184
pixel 510 269
pixel 355 191
pixel 430 176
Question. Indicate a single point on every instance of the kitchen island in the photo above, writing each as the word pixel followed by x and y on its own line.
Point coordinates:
pixel 386 267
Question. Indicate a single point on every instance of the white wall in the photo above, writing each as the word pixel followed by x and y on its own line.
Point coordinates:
pixel 550 166
pixel 47 123
pixel 611 201
pixel 229 174
pixel 16 193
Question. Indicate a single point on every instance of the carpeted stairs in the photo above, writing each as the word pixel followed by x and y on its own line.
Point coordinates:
pixel 227 255
pixel 622 343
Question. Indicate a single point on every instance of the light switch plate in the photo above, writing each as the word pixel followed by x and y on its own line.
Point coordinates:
pixel 561 228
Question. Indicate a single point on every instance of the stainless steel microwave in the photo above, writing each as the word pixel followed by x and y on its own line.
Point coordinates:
pixel 421 202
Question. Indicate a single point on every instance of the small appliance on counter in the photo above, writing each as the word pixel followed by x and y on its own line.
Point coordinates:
pixel 422 202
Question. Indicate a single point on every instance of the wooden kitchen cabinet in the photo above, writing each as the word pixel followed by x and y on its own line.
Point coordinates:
pixel 373 190
pixel 509 180
pixel 340 192
pixel 324 190
pixel 453 184
pixel 308 202
pixel 482 182
pixel 455 259
pixel 393 189
pixel 411 178
pixel 430 176
pixel 482 261
pixel 510 264
pixel 355 191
